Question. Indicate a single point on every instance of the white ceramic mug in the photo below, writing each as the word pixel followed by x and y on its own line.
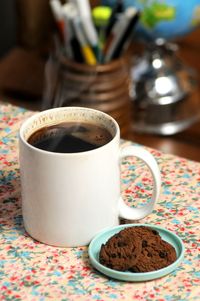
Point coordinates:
pixel 67 198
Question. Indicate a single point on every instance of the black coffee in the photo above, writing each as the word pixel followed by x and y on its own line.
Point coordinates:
pixel 70 137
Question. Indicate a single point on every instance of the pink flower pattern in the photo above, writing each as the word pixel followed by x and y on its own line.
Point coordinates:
pixel 30 270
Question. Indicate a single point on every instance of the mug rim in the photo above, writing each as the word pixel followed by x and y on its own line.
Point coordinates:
pixel 38 114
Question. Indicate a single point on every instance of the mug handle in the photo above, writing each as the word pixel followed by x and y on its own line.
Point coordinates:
pixel 138 213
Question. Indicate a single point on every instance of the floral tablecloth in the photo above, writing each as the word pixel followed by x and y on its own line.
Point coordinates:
pixel 30 270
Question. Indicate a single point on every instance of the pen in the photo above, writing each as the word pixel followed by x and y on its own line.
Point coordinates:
pixel 88 26
pixel 118 8
pixel 72 45
pixel 56 9
pixel 115 34
pixel 121 33
pixel 133 18
pixel 67 28
pixel 86 49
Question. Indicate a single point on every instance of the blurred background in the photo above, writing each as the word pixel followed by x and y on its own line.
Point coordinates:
pixel 26 28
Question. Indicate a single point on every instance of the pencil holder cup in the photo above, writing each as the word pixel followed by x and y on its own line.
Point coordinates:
pixel 104 87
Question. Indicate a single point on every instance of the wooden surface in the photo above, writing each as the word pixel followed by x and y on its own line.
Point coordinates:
pixel 22 83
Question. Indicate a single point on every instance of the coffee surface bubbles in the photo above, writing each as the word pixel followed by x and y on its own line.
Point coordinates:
pixel 70 137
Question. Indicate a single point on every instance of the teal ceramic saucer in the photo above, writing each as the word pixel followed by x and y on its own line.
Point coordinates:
pixel 166 235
